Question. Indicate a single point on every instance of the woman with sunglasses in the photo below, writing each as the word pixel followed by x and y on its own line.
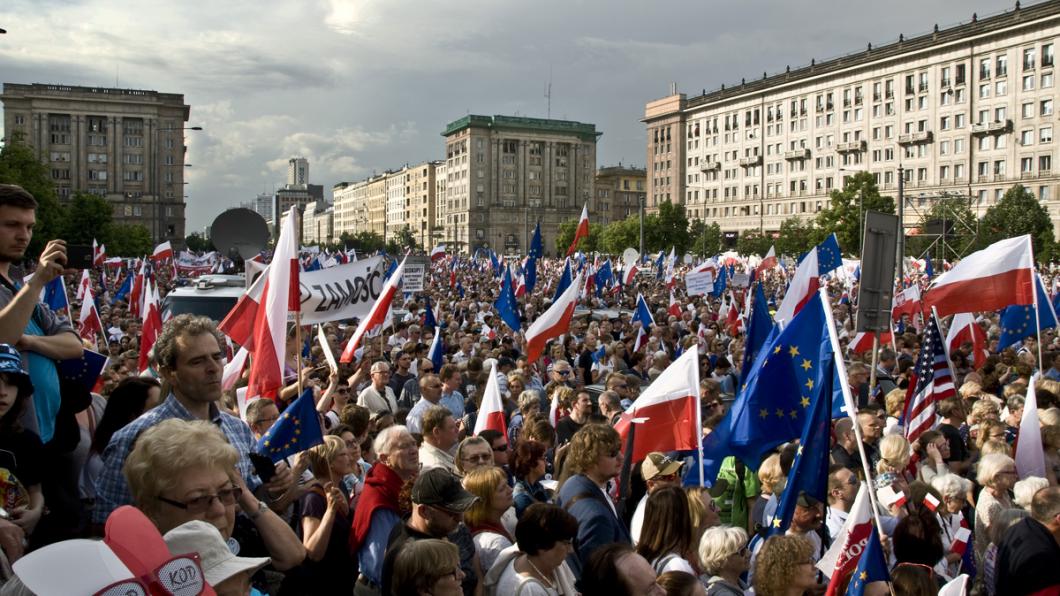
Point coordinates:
pixel 724 557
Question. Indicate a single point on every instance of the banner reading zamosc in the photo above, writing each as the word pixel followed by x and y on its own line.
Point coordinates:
pixel 342 292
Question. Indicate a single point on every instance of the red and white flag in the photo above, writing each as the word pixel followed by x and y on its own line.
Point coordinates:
pixel 862 342
pixel 964 329
pixel 279 296
pixel 667 412
pixel 675 306
pixel 438 253
pixel 136 295
pixel 961 538
pixel 84 285
pixel 1000 275
pixel 841 559
pixel 803 286
pixel 162 251
pixel 906 302
pixel 99 254
pixel 734 318
pixel 238 324
pixel 88 323
pixel 491 411
pixel 640 341
pixel 488 332
pixel 1030 457
pixel 377 316
pixel 553 410
pixel 554 322
pixel 234 369
pixel 582 231
pixel 150 328
pixel 630 275
pixel 768 262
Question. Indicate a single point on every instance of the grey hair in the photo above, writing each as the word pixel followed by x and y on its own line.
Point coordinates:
pixel 951 485
pixel 990 465
pixel 718 544
pixel 384 441
pixel 1024 490
pixel 528 398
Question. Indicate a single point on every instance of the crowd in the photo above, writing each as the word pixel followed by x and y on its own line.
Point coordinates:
pixel 401 497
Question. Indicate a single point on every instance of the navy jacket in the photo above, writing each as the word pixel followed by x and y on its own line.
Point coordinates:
pixel 597 523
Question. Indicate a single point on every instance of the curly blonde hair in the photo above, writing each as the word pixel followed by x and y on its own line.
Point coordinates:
pixel 589 444
pixel 777 562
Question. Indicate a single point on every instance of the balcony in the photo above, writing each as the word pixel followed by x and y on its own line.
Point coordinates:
pixel 916 138
pixel 750 162
pixel 996 127
pixel 710 166
pixel 797 154
pixel 852 147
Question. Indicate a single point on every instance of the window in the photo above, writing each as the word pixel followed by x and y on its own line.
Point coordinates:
pixel 20 119
pixel 1028 59
pixel 1047 55
pixel 1045 134
pixel 944 123
pixel 958 171
pixel 958 146
pixel 1046 107
pixel 1002 65
pixel 958 121
pixel 97 174
pixel 1044 193
pixel 944 148
pixel 984 90
pixel 1000 88
pixel 984 69
pixel 1045 163
pixel 1047 80
pixel 1028 82
pixel 1027 137
pixel 1027 111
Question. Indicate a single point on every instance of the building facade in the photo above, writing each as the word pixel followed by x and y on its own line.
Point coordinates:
pixel 420 200
pixel 506 174
pixel 396 183
pixel 967 111
pixel 619 193
pixel 440 209
pixel 125 145
pixel 298 172
pixel 318 224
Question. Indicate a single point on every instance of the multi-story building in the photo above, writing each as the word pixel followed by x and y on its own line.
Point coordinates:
pixel 440 209
pixel 318 224
pixel 298 172
pixel 262 205
pixel 420 199
pixel 966 110
pixel 125 145
pixel 505 174
pixel 619 193
pixel 395 202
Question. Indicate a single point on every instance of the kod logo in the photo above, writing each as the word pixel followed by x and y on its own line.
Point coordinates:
pixel 182 577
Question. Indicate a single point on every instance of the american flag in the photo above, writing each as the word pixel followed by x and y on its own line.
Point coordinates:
pixel 932 382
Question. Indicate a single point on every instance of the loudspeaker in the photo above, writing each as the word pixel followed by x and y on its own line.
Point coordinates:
pixel 728 239
pixel 876 289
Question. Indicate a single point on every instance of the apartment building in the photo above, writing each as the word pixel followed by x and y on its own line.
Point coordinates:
pixel 619 193
pixel 420 193
pixel 965 110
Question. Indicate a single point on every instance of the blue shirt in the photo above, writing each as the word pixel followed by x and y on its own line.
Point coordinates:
pixel 111 489
pixel 454 402
pixel 414 420
pixel 373 550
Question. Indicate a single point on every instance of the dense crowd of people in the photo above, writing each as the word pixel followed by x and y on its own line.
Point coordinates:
pixel 401 497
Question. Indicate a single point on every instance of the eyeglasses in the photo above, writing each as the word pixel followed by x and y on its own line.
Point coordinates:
pixel 483 458
pixel 501 448
pixel 200 504
pixel 852 480
pixel 713 404
pixel 268 420
pixel 562 372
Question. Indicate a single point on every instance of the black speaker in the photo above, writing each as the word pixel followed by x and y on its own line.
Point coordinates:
pixel 876 289
pixel 728 239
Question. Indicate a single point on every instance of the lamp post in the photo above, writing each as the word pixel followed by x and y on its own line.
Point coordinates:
pixel 643 199
pixel 160 221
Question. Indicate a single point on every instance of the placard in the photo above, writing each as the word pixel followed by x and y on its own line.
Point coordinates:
pixel 741 280
pixel 699 283
pixel 412 280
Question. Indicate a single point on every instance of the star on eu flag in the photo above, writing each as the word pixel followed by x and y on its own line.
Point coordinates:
pixel 806 364
pixel 793 351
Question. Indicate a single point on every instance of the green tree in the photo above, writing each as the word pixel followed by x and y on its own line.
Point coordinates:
pixel 669 229
pixel 1018 213
pixel 620 235
pixel 198 242
pixel 134 240
pixel 405 239
pixel 565 234
pixel 19 165
pixel 706 238
pixel 845 211
pixel 795 237
pixel 362 242
pixel 88 217
pixel 953 210
pixel 753 242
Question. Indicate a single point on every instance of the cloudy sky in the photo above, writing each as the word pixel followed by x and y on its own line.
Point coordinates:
pixel 359 86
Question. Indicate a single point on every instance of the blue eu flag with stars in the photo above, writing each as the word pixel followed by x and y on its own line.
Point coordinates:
pixel 1017 321
pixel 828 256
pixel 774 402
pixel 872 566
pixel 297 429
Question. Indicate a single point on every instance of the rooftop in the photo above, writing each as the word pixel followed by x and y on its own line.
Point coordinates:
pixel 103 92
pixel 587 132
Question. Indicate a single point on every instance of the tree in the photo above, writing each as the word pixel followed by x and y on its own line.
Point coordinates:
pixel 197 242
pixel 362 242
pixel 669 229
pixel 620 235
pixel 565 234
pixel 88 217
pixel 134 240
pixel 1018 213
pixel 19 165
pixel 844 215
pixel 795 237
pixel 753 242
pixel 952 211
pixel 405 239
pixel 706 239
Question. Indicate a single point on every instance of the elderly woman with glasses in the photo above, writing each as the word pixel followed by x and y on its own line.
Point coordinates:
pixel 997 475
pixel 954 491
pixel 181 471
pixel 473 453
pixel 724 557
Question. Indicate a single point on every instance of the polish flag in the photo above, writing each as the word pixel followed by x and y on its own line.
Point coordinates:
pixel 931 501
pixel 803 286
pixel 162 251
pixel 553 410
pixel 670 269
pixel 151 326
pixel 768 262
pixel 84 285
pixel 708 265
pixel 377 316
pixel 641 341
pixel 668 409
pixel 491 411
pixel 961 538
pixel 964 329
pixel 675 307
pixel 234 369
pixel 488 332
pixel 582 231
pixel 1030 457
pixel 438 253
pixel 1000 275
pixel 554 322
pixel 862 342
pixel 89 323
pixel 630 275
pixel 99 254
pixel 136 294
pixel 238 324
pixel 907 302
pixel 841 559
pixel 734 318
pixel 520 283
pixel 279 296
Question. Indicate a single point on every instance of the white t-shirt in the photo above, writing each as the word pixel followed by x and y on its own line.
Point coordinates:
pixel 488 545
pixel 638 520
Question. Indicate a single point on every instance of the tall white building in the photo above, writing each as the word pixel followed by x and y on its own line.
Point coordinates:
pixel 967 110
pixel 395 202
pixel 298 172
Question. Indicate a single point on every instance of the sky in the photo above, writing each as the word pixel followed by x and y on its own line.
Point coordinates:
pixel 361 86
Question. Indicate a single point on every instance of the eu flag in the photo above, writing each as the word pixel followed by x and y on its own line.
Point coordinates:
pixel 809 472
pixel 506 305
pixel 872 566
pixel 1017 322
pixel 54 294
pixel 828 256
pixel 773 403
pixel 123 291
pixel 564 281
pixel 85 370
pixel 429 322
pixel 642 314
pixel 604 276
pixel 297 429
pixel 536 248
pixel 720 282
pixel 758 330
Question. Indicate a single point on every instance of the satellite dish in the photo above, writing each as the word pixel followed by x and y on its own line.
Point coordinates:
pixel 630 256
pixel 688 259
pixel 239 233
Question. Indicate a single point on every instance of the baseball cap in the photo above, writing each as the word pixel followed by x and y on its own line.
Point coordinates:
pixel 87 567
pixel 438 486
pixel 218 562
pixel 11 363
pixel 806 500
pixel 659 464
pixel 141 548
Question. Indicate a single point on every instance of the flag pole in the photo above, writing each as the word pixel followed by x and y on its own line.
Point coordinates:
pixel 844 383
pixel 1038 323
pixel 874 360
pixel 298 342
